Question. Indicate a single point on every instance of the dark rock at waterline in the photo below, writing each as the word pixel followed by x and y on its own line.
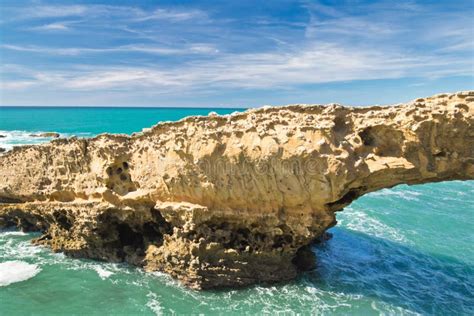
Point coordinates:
pixel 305 259
pixel 2 150
pixel 324 237
pixel 48 134
pixel 3 136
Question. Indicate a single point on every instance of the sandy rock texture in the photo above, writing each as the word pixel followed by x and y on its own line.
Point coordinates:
pixel 230 200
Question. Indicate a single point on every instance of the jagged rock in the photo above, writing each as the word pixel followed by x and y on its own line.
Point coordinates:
pixel 47 134
pixel 230 200
pixel 2 150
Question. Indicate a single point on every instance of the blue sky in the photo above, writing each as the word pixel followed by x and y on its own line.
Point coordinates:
pixel 233 53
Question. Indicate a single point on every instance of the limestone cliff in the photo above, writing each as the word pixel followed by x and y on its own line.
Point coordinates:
pixel 230 200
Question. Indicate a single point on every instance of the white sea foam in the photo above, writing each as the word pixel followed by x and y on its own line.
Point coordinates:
pixel 13 247
pixel 102 272
pixel 387 309
pixel 20 250
pixel 274 300
pixel 11 233
pixel 405 194
pixel 162 277
pixel 19 138
pixel 360 221
pixel 17 271
pixel 154 304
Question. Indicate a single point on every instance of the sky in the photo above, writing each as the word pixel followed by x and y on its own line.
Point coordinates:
pixel 233 53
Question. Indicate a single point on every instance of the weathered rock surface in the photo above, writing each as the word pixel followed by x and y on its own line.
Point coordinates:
pixel 230 200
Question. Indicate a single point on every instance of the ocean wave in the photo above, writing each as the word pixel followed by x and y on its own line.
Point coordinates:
pixel 405 194
pixel 19 138
pixel 5 233
pixel 12 245
pixel 383 308
pixel 359 220
pixel 17 271
pixel 103 270
pixel 289 299
pixel 12 248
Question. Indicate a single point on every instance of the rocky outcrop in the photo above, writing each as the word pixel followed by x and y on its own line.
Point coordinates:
pixel 230 200
pixel 47 134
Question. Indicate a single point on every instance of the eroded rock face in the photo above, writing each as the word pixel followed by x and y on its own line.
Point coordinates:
pixel 230 200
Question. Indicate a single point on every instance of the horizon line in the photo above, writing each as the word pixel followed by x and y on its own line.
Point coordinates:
pixel 129 106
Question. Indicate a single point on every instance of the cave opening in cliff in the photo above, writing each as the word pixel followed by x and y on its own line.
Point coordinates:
pixel 127 239
pixel 347 198
pixel 304 259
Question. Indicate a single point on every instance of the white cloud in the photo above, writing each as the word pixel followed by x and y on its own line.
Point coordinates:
pixel 120 78
pixel 108 11
pixel 172 15
pixel 16 84
pixel 48 50
pixel 45 11
pixel 315 63
pixel 51 27
pixel 197 48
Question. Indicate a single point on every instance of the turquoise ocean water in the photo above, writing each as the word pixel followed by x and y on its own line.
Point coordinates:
pixel 402 251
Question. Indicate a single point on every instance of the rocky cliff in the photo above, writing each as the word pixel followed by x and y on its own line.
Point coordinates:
pixel 230 200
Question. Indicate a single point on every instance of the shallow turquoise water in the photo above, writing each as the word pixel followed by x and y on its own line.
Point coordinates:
pixel 17 123
pixel 401 251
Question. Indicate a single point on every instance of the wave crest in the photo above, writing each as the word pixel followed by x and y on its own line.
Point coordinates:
pixel 17 271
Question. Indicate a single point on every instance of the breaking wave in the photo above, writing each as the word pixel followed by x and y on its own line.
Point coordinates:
pixel 9 139
pixel 17 271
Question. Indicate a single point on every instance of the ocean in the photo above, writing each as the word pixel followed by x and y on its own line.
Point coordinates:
pixel 408 250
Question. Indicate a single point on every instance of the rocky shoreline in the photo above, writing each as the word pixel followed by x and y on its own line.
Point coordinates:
pixel 227 201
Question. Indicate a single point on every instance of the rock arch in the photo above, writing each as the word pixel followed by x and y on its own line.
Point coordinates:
pixel 230 200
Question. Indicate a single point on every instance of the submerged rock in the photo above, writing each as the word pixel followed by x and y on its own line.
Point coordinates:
pixel 230 200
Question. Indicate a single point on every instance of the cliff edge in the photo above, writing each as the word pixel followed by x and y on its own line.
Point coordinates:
pixel 230 200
